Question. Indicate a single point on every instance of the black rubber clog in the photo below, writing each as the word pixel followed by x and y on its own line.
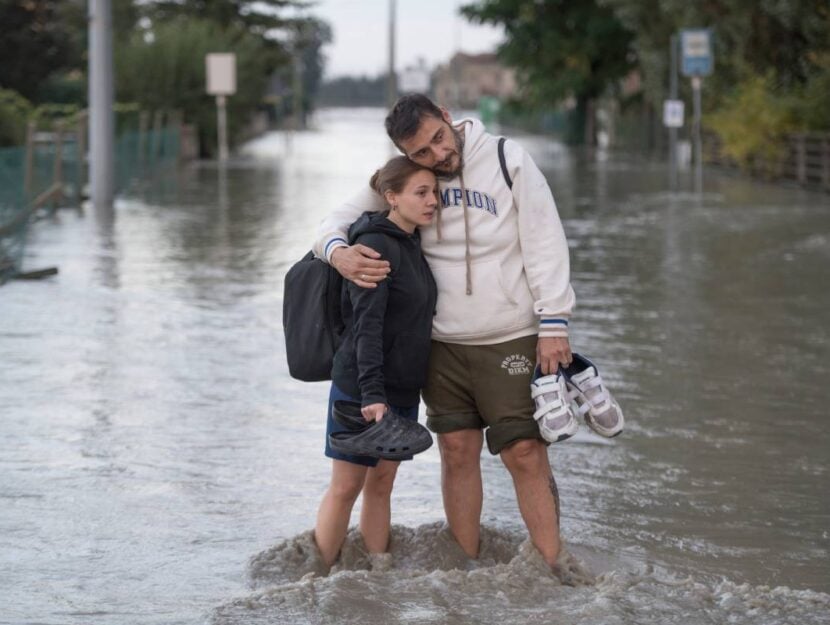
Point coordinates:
pixel 391 438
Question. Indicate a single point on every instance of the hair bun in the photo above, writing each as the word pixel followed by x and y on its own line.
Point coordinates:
pixel 373 181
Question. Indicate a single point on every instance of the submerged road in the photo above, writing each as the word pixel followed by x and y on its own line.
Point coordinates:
pixel 151 441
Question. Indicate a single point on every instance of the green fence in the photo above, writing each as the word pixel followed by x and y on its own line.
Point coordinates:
pixel 13 217
pixel 50 171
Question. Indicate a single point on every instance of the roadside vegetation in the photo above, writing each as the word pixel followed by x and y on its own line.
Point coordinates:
pixel 772 62
pixel 159 48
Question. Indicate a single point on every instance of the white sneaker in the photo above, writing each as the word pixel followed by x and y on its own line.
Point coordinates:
pixel 555 412
pixel 601 411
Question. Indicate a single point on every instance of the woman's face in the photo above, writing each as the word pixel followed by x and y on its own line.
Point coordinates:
pixel 417 201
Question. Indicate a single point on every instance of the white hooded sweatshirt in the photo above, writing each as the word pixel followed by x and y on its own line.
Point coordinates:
pixel 516 280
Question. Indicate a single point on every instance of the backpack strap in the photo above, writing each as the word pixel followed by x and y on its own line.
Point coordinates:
pixel 503 164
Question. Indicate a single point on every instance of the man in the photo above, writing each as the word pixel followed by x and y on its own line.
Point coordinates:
pixel 500 261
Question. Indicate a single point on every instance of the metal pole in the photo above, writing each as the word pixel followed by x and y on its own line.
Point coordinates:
pixel 80 158
pixel 391 84
pixel 101 122
pixel 673 96
pixel 222 128
pixel 697 82
pixel 297 101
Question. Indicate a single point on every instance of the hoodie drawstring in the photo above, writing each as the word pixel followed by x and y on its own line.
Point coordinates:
pixel 440 209
pixel 466 236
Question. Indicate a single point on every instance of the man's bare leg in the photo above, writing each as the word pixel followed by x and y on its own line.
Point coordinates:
pixel 461 486
pixel 527 461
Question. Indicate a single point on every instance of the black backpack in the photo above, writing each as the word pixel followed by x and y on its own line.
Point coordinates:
pixel 311 318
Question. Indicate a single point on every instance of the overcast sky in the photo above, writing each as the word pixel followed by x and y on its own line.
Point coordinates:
pixel 428 29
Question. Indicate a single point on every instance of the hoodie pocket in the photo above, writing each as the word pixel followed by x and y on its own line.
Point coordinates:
pixel 488 311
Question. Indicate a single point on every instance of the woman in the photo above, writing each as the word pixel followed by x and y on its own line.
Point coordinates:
pixel 382 361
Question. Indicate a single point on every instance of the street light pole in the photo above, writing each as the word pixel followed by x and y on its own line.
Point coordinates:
pixel 101 122
pixel 391 84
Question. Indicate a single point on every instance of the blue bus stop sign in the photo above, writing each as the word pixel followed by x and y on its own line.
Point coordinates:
pixel 696 52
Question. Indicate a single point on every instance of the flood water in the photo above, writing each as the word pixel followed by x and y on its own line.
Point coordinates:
pixel 158 465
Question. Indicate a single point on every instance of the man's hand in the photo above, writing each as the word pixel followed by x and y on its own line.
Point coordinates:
pixel 373 412
pixel 551 352
pixel 360 264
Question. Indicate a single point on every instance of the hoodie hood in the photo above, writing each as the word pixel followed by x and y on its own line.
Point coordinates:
pixel 475 136
pixel 371 221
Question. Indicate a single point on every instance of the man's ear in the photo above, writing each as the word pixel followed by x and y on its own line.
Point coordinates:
pixel 446 115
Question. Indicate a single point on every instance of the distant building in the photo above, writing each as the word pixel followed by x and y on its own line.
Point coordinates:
pixel 467 77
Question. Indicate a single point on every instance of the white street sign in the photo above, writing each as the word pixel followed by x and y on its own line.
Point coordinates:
pixel 221 73
pixel 414 80
pixel 673 113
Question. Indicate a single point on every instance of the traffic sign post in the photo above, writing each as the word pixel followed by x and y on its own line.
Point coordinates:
pixel 221 82
pixel 697 62
pixel 696 50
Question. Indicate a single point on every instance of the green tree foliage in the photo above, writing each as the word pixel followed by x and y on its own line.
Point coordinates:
pixel 305 40
pixel 813 107
pixel 257 17
pixel 165 70
pixel 751 122
pixel 263 19
pixel 34 43
pixel 751 38
pixel 282 36
pixel 560 48
pixel 14 113
pixel 312 35
pixel 772 65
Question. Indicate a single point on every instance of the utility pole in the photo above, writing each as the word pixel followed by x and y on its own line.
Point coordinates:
pixel 696 48
pixel 673 96
pixel 101 122
pixel 697 83
pixel 220 71
pixel 297 90
pixel 391 84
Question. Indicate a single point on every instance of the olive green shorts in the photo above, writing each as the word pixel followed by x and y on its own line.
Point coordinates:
pixel 483 386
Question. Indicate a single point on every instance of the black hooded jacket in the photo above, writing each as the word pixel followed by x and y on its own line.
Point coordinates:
pixel 385 348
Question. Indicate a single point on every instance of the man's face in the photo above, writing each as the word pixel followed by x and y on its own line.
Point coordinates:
pixel 435 145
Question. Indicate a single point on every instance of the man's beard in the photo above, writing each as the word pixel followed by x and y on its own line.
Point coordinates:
pixel 459 147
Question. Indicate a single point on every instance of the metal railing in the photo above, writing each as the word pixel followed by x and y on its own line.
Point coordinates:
pixel 803 158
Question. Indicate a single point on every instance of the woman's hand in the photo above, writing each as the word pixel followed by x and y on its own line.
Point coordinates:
pixel 373 412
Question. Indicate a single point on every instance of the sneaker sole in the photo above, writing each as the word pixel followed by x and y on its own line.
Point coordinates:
pixel 568 433
pixel 604 432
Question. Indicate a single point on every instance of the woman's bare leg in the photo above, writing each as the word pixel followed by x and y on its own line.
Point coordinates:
pixel 336 508
pixel 376 513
